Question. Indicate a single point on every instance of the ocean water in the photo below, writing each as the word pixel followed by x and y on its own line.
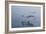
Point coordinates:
pixel 25 16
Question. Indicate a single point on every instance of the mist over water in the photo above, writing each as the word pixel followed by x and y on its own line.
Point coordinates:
pixel 25 16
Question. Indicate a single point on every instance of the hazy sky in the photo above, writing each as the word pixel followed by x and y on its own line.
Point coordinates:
pixel 19 13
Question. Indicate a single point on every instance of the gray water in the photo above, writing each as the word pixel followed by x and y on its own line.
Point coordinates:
pixel 25 16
